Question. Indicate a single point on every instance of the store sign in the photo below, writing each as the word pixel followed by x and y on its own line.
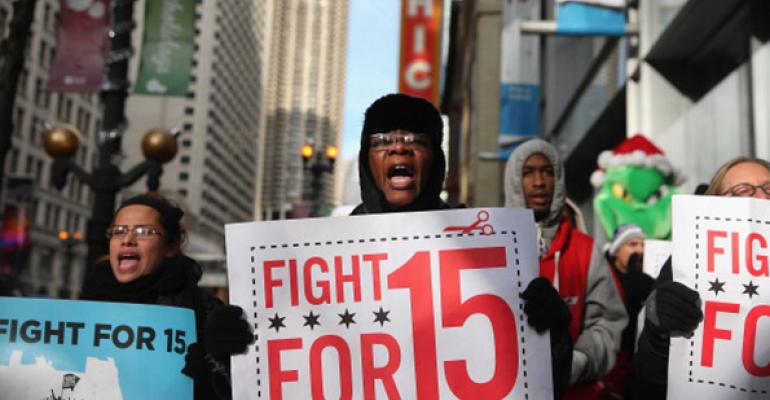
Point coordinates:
pixel 420 64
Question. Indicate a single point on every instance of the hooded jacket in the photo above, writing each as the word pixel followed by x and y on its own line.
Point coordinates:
pixel 390 113
pixel 572 262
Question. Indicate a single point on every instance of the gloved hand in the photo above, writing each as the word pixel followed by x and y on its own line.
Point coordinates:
pixel 636 284
pixel 546 310
pixel 226 333
pixel 544 307
pixel 194 361
pixel 674 308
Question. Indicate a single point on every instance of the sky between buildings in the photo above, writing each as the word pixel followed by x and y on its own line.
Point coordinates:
pixel 372 62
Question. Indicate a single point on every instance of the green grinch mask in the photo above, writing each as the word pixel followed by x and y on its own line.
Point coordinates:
pixel 635 195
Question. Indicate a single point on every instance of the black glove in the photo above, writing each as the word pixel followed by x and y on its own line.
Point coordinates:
pixel 195 364
pixel 545 309
pixel 226 333
pixel 673 307
pixel 636 284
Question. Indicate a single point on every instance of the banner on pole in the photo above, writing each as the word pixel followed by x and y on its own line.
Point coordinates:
pixel 519 76
pixel 82 45
pixel 420 64
pixel 403 305
pixel 167 48
pixel 93 350
pixel 591 17
pixel 720 249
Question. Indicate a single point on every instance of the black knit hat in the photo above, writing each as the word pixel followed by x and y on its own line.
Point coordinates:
pixel 414 114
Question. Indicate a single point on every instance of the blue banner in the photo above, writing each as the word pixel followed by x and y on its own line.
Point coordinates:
pixel 65 349
pixel 590 17
pixel 519 115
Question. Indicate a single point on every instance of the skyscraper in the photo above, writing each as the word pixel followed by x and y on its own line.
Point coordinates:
pixel 304 100
pixel 54 268
pixel 213 176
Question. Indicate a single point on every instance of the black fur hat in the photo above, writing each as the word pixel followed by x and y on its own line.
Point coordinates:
pixel 401 111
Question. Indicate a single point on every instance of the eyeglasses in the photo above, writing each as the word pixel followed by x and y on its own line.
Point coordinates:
pixel 747 189
pixel 383 141
pixel 140 232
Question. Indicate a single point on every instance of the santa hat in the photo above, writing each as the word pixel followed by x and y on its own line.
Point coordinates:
pixel 637 151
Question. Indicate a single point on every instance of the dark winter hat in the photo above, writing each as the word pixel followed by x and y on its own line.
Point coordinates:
pixel 402 111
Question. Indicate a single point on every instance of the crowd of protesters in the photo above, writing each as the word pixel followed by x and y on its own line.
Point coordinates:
pixel 586 297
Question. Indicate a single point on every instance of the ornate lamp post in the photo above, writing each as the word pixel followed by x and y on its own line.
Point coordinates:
pixel 61 142
pixel 317 167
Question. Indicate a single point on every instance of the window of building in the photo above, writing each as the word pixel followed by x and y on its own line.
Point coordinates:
pixel 184 160
pixel 183 176
pixel 187 143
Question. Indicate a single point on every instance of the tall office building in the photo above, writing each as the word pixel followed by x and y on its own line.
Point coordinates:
pixel 213 176
pixel 304 100
pixel 54 267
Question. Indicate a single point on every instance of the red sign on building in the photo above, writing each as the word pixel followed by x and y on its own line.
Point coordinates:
pixel 419 67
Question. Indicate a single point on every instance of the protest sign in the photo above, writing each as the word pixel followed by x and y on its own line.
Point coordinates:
pixel 656 252
pixel 62 349
pixel 420 305
pixel 720 249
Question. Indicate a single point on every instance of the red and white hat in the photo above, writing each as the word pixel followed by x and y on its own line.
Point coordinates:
pixel 639 151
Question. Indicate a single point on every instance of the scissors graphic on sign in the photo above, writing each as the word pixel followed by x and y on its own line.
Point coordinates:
pixel 481 217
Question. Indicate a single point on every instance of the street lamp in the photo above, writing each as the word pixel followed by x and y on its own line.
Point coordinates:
pixel 317 167
pixel 68 240
pixel 61 142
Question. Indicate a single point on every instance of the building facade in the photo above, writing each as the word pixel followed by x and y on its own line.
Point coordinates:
pixel 213 176
pixel 54 268
pixel 304 101
pixel 689 76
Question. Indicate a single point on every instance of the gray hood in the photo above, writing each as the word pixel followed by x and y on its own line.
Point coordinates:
pixel 514 196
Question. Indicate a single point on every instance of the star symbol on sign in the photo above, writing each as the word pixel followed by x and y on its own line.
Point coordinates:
pixel 311 320
pixel 381 316
pixel 347 318
pixel 276 322
pixel 751 289
pixel 717 286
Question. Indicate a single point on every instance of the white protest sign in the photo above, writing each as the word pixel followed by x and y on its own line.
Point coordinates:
pixel 656 252
pixel 721 251
pixel 420 305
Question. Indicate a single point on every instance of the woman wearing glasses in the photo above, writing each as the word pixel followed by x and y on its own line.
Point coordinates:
pixel 675 308
pixel 146 265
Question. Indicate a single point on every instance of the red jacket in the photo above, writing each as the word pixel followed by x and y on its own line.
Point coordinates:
pixel 572 249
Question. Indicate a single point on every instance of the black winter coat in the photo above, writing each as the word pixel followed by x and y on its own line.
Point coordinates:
pixel 175 283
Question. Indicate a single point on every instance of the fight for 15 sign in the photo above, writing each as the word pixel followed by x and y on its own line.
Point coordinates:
pixel 404 305
pixel 721 251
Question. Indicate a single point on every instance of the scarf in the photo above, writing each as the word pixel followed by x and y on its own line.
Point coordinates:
pixel 176 277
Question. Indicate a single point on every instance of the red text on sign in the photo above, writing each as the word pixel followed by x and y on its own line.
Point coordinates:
pixel 369 371
pixel 318 277
pixel 712 333
pixel 734 247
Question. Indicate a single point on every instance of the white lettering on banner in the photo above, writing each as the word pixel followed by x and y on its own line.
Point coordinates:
pixel 388 306
pixel 426 5
pixel 419 39
pixel 169 29
pixel 720 249
pixel 418 75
